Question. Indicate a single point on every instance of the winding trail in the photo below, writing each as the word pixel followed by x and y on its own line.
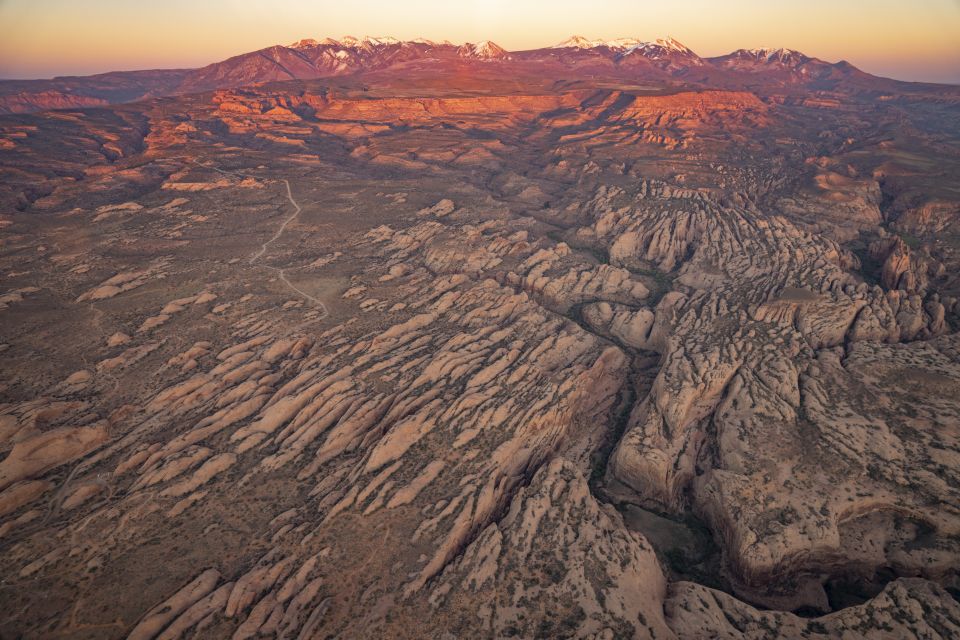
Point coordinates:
pixel 280 271
pixel 263 248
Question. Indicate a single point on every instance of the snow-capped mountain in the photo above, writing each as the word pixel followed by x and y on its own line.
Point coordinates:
pixel 664 52
pixel 579 42
pixel 787 65
pixel 662 60
pixel 667 52
pixel 753 57
pixel 311 58
pixel 304 43
pixel 305 59
pixel 485 50
pixel 658 59
pixel 661 46
pixel 617 44
pixel 366 42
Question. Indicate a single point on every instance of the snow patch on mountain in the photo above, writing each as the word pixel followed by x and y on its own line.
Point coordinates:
pixel 486 50
pixel 625 44
pixel 788 57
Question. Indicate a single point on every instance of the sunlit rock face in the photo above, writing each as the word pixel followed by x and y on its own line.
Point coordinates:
pixel 413 339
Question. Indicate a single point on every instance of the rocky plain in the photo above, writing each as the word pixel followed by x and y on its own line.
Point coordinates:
pixel 484 346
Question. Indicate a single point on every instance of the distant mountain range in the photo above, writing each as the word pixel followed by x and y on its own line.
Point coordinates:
pixel 663 60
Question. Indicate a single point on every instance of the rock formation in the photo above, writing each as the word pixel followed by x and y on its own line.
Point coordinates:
pixel 417 351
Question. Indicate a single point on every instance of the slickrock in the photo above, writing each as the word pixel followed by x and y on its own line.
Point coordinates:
pixel 14 497
pixel 931 215
pixel 34 455
pixel 156 619
pixel 201 476
pixel 121 282
pixel 326 408
pixel 198 614
pixel 15 296
pixel 483 359
pixel 118 339
pixel 907 608
pixel 901 270
pixel 442 208
pixel 558 564
pixel 627 326
pixel 111 210
pixel 729 427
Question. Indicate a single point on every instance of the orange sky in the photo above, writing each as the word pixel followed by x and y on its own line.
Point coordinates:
pixel 918 40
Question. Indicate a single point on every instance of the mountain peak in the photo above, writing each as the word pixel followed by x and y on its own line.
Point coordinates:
pixel 579 42
pixel 782 56
pixel 674 45
pixel 666 51
pixel 661 45
pixel 484 49
pixel 367 41
pixel 304 43
pixel 574 42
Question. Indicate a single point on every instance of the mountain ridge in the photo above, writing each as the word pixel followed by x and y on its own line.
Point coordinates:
pixel 663 59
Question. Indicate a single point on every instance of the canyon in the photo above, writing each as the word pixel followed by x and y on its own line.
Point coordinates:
pixel 369 338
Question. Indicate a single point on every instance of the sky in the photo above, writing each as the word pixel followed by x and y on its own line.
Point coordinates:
pixel 909 40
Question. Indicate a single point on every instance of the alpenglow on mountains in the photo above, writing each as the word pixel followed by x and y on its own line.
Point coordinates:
pixel 664 60
pixel 363 338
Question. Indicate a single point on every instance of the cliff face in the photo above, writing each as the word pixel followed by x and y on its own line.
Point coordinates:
pixel 25 96
pixel 25 102
pixel 690 104
pixel 670 120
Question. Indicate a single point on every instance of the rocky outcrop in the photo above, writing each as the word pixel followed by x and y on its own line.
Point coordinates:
pixel 731 414
pixel 27 101
pixel 907 608
pixel 901 267
pixel 627 326
pixel 928 217
pixel 32 456
pixel 559 547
